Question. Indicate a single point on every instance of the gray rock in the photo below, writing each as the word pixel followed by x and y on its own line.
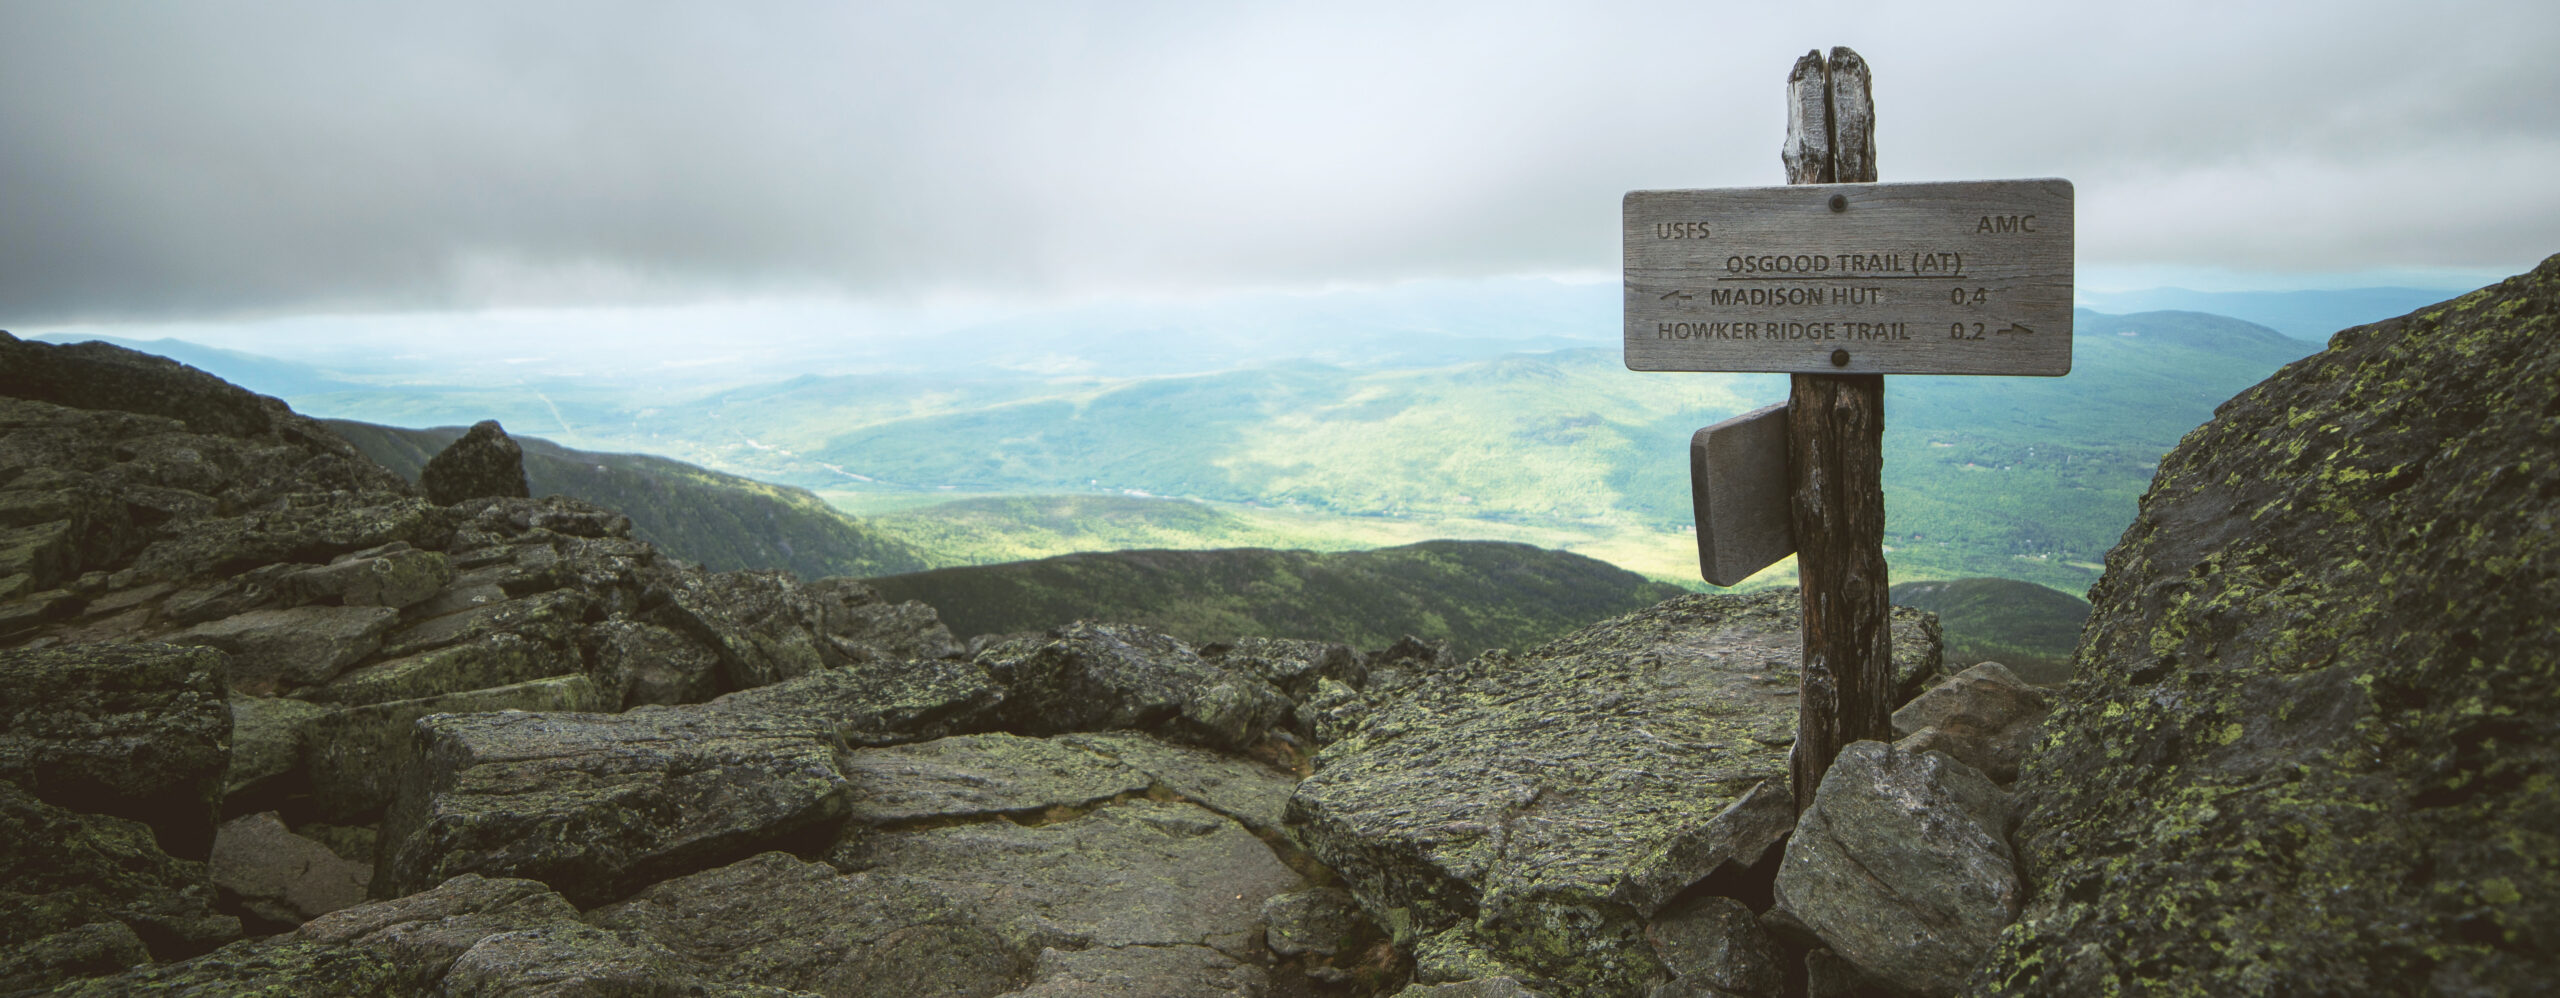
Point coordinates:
pixel 1486 987
pixel 1294 666
pixel 353 755
pixel 281 966
pixel 280 876
pixel 303 646
pixel 1334 711
pixel 1136 874
pixel 764 625
pixel 60 870
pixel 1097 677
pixel 500 659
pixel 2309 745
pixel 864 628
pixel 1165 971
pixel 1715 946
pixel 598 804
pixel 266 739
pixel 1901 865
pixel 880 703
pixel 1320 920
pixel 570 961
pixel 136 731
pixel 779 921
pixel 1253 794
pixel 640 663
pixel 420 935
pixel 395 575
pixel 1986 717
pixel 973 776
pixel 1551 804
pixel 484 462
pixel 92 950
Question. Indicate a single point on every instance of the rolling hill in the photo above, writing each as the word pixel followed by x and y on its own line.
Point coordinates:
pixel 2029 628
pixel 1473 594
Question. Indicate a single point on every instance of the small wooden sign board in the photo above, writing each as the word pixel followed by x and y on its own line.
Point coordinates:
pixel 1738 483
pixel 1969 277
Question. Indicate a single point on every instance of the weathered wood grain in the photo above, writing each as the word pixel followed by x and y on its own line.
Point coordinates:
pixel 1835 432
pixel 1967 277
pixel 1738 487
pixel 1807 153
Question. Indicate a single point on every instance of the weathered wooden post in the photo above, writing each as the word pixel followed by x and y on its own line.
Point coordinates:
pixel 1835 462
pixel 1837 281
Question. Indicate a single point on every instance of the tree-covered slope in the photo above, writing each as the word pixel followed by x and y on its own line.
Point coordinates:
pixel 722 521
pixel 1473 594
pixel 2027 627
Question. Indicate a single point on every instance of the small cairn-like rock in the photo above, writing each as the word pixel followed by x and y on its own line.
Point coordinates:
pixel 485 462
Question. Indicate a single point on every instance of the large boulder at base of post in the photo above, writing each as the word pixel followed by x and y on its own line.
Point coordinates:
pixel 484 462
pixel 1544 807
pixel 2313 741
pixel 1901 864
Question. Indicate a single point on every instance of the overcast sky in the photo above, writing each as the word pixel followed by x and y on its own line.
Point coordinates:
pixel 205 161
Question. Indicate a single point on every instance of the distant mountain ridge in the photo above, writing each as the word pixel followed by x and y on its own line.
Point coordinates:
pixel 2303 315
pixel 722 521
pixel 1473 594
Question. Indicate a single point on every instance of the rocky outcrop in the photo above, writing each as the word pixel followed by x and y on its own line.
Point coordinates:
pixel 598 804
pixel 1985 717
pixel 2313 741
pixel 1543 809
pixel 485 463
pixel 136 732
pixel 1901 865
pixel 79 889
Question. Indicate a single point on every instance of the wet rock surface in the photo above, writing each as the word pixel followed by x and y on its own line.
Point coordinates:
pixel 2321 665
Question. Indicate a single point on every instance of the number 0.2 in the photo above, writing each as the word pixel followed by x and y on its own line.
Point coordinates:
pixel 1957 331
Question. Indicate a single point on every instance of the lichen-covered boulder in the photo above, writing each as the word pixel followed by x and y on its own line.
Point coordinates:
pixel 484 462
pixel 136 731
pixel 61 870
pixel 596 805
pixel 254 967
pixel 1546 807
pixel 1901 864
pixel 421 934
pixel 353 756
pixel 1095 677
pixel 880 703
pixel 2313 741
pixel 780 921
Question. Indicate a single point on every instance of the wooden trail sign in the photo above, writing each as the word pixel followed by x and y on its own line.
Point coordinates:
pixel 1738 484
pixel 1971 277
pixel 1836 280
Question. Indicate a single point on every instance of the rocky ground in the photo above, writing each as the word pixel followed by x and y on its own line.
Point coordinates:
pixel 272 719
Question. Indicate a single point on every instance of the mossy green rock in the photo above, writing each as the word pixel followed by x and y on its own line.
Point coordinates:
pixel 60 870
pixel 596 805
pixel 2310 747
pixel 137 731
pixel 255 968
pixel 353 756
pixel 1094 677
pixel 1549 805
